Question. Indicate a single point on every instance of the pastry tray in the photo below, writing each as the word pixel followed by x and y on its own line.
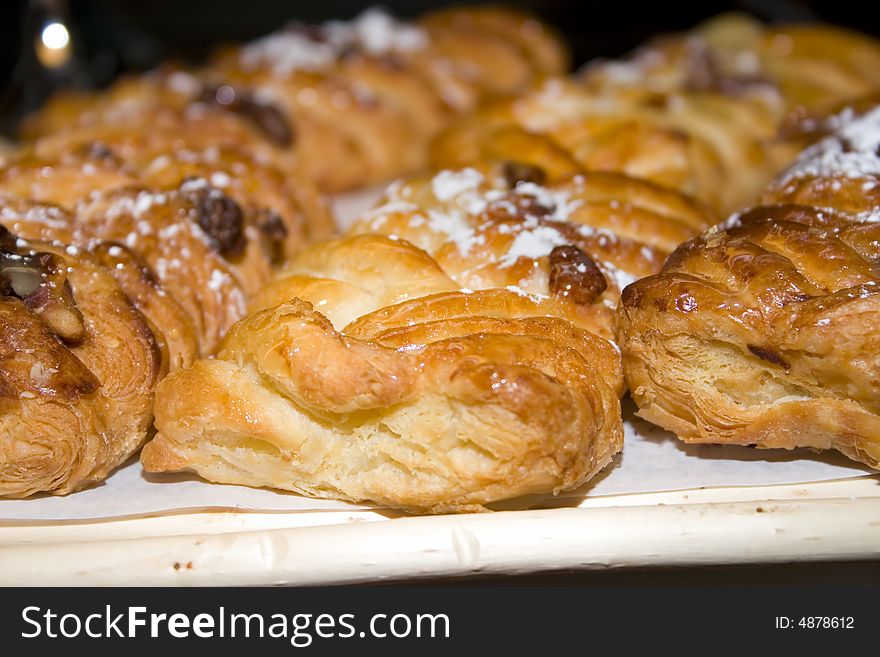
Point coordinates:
pixel 660 504
pixel 735 525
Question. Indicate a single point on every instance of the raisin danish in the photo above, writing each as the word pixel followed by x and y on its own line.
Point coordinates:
pixel 709 146
pixel 344 104
pixel 99 304
pixel 715 113
pixel 76 163
pixel 579 241
pixel 764 329
pixel 190 241
pixel 79 366
pixel 369 375
pixel 176 227
pixel 801 66
pixel 461 358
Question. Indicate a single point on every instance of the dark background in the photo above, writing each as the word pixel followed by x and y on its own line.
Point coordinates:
pixel 115 36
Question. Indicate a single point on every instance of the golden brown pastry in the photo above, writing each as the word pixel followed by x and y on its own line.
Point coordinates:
pixel 192 241
pixel 344 104
pixel 181 108
pixel 764 330
pixel 804 67
pixel 706 145
pixel 578 241
pixel 714 113
pixel 69 166
pixel 366 96
pixel 382 381
pixel 474 368
pixel 98 305
pixel 79 366
pixel 174 330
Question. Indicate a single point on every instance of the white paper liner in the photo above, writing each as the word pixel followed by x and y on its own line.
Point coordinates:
pixel 653 460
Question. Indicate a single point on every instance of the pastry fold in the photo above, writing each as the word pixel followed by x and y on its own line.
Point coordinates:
pixel 714 113
pixel 764 330
pixel 462 356
pixel 342 104
pixel 79 365
pixel 445 415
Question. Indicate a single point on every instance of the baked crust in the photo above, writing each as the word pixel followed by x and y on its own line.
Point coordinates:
pixel 716 148
pixel 442 401
pixel 474 368
pixel 342 105
pixel 112 151
pixel 75 404
pixel 763 330
pixel 714 113
pixel 805 66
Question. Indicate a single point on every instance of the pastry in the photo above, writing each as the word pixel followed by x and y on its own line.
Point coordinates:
pixel 148 280
pixel 805 66
pixel 365 97
pixel 79 367
pixel 74 164
pixel 578 241
pixel 155 239
pixel 714 113
pixel 99 304
pixel 461 357
pixel 191 241
pixel 709 146
pixel 174 330
pixel 763 330
pixel 444 400
pixel 343 104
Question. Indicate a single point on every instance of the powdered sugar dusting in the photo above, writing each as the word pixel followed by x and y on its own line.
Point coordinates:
pixel 618 276
pixel 560 202
pixel 853 152
pixel 533 244
pixel 456 228
pixel 48 215
pixel 297 48
pixel 218 280
pixel 521 292
pixel 447 185
pixel 183 83
pixel 136 206
pixel 870 217
pixel 472 202
pixel 377 33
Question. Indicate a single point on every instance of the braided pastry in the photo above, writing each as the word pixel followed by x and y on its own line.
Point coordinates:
pixel 148 281
pixel 77 163
pixel 444 400
pixel 578 241
pixel 714 114
pixel 763 330
pixel 78 401
pixel 79 365
pixel 342 104
pixel 190 216
pixel 175 261
pixel 807 66
pixel 708 146
pixel 476 367
pixel 184 220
